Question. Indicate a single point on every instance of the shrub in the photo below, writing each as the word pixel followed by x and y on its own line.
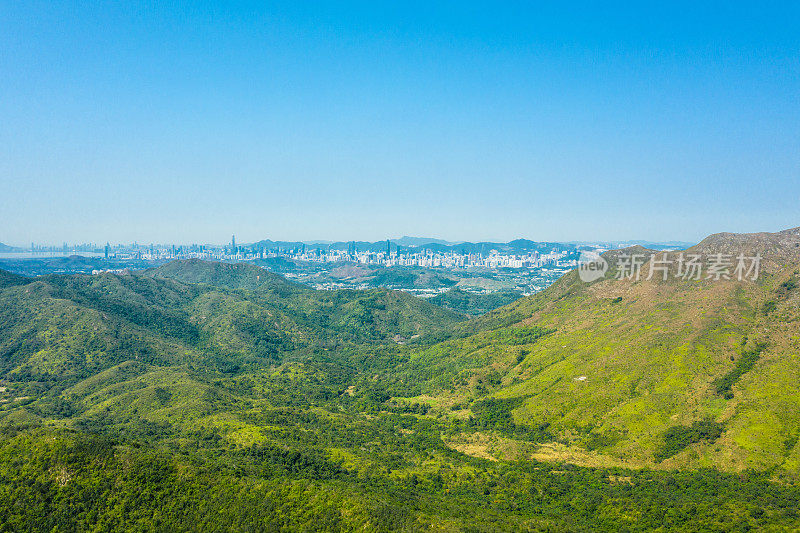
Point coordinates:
pixel 745 363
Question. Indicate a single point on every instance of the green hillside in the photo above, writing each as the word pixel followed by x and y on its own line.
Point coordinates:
pixel 351 315
pixel 58 326
pixel 474 304
pixel 630 368
pixel 226 275
pixel 218 396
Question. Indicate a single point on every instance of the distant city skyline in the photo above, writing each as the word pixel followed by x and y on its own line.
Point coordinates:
pixel 339 121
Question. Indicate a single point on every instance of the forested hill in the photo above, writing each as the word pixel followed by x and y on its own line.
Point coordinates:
pixel 227 275
pixel 54 326
pixel 355 315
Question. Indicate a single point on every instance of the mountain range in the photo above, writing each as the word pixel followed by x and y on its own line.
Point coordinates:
pixel 518 246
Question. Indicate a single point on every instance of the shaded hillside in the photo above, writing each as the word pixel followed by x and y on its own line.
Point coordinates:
pixel 9 279
pixel 4 248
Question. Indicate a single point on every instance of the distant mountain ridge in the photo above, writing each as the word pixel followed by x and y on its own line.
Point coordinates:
pixel 517 246
pixel 653 245
pixel 5 248
pixel 420 241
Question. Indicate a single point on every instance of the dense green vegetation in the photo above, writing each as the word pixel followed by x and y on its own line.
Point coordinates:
pixel 677 438
pixel 9 279
pixel 74 481
pixel 339 316
pixel 472 303
pixel 200 396
pixel 744 364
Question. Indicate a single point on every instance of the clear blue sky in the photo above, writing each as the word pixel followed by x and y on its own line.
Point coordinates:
pixel 465 121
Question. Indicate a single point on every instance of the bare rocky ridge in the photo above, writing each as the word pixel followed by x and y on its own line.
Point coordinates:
pixel 776 251
pixel 774 248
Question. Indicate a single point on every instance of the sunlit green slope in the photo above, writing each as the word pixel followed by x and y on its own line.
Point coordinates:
pixel 627 360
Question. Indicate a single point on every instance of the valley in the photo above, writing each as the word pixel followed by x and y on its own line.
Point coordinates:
pixel 600 403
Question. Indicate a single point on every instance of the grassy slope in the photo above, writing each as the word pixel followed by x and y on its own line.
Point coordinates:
pixel 649 360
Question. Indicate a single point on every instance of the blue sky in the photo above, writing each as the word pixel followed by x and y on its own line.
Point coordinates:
pixel 466 121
